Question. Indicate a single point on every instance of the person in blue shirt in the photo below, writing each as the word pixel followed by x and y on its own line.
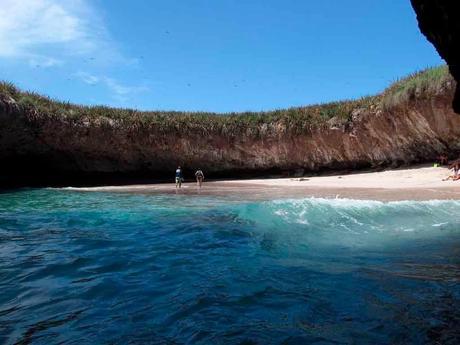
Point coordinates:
pixel 179 178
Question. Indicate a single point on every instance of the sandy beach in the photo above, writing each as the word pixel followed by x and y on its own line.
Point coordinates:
pixel 417 183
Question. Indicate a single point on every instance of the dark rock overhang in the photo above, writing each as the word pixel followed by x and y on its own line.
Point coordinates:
pixel 439 21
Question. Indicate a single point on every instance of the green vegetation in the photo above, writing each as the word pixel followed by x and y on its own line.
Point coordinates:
pixel 292 120
pixel 419 85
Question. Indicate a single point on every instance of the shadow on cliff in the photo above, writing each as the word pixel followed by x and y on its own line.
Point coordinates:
pixel 49 143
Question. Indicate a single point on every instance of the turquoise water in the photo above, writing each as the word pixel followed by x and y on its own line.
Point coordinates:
pixel 91 268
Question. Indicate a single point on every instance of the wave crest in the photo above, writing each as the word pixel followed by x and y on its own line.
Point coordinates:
pixel 353 221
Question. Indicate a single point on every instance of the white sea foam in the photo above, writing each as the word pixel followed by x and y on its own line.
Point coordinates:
pixel 352 222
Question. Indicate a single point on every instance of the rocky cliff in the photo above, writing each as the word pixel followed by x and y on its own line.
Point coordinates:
pixel 439 20
pixel 50 143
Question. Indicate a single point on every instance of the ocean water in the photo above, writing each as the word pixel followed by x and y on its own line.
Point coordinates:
pixel 108 268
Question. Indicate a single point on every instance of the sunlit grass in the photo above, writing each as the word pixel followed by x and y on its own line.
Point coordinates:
pixel 418 85
pixel 289 121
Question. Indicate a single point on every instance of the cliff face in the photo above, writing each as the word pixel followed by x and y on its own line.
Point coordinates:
pixel 50 149
pixel 439 21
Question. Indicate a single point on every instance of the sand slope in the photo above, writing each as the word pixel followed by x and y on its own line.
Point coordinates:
pixel 419 183
pixel 424 177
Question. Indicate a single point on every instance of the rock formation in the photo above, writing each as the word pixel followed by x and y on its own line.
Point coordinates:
pixel 72 145
pixel 439 21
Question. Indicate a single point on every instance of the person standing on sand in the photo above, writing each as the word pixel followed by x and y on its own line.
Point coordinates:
pixel 179 177
pixel 455 166
pixel 199 177
pixel 443 159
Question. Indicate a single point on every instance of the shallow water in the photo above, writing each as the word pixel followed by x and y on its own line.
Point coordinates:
pixel 93 268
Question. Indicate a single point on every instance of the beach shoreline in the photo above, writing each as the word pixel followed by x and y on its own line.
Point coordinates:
pixel 417 183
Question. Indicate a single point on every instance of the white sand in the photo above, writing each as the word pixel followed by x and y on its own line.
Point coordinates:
pixel 390 179
pixel 418 183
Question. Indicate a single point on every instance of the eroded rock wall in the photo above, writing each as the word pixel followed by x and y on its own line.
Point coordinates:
pixel 36 148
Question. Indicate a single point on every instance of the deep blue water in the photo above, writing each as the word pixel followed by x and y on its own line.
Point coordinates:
pixel 98 268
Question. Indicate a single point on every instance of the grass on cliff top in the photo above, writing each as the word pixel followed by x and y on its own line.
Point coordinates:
pixel 419 85
pixel 297 119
